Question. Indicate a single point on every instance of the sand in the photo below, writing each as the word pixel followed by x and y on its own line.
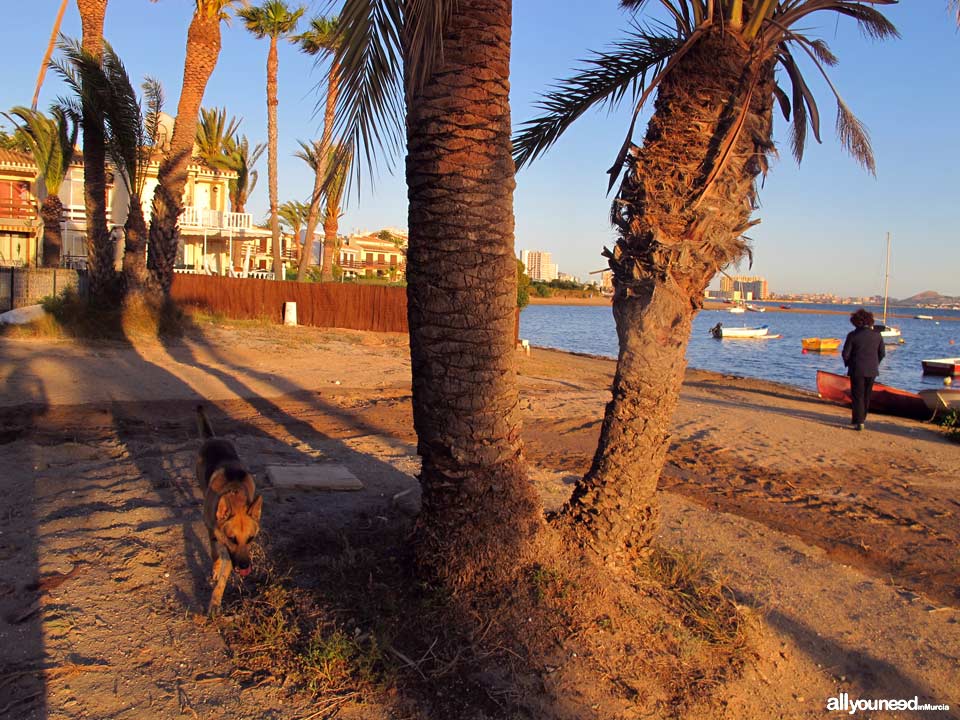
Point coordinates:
pixel 842 544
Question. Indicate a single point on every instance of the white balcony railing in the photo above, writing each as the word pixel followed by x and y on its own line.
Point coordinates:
pixel 194 217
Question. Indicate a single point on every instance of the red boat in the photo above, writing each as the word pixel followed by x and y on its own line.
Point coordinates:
pixel 885 399
pixel 941 366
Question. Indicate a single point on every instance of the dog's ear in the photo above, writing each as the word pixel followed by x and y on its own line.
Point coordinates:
pixel 224 511
pixel 218 480
pixel 256 507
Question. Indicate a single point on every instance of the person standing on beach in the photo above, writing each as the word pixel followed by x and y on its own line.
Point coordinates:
pixel 862 353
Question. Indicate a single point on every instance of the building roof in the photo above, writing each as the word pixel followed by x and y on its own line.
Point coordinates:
pixel 13 158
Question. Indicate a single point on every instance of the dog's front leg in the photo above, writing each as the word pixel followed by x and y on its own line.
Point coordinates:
pixel 222 567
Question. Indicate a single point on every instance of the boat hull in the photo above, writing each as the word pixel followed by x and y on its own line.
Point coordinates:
pixel 941 400
pixel 738 333
pixel 821 344
pixel 884 399
pixel 944 367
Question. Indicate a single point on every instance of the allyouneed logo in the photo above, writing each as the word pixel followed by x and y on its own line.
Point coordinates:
pixel 843 703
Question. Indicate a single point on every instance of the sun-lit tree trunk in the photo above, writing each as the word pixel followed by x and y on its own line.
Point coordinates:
pixel 323 155
pixel 48 53
pixel 480 512
pixel 203 50
pixel 272 142
pixel 331 224
pixel 99 247
pixel 51 213
pixel 135 246
pixel 673 239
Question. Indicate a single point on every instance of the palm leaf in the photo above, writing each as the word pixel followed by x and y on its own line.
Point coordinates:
pixel 604 79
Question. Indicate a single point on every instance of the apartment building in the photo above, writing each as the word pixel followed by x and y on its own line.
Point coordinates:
pixel 377 254
pixel 741 287
pixel 539 265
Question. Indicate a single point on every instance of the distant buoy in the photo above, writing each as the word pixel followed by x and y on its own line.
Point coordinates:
pixel 948 380
pixel 951 342
pixel 804 351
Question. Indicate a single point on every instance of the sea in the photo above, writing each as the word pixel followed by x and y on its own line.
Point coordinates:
pixel 590 329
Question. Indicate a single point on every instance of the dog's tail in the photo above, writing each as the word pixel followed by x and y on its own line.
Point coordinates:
pixel 203 425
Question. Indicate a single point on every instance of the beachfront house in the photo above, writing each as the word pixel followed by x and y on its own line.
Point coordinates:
pixel 19 217
pixel 379 254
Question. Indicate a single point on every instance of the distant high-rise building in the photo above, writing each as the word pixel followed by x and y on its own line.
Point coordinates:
pixel 742 287
pixel 539 265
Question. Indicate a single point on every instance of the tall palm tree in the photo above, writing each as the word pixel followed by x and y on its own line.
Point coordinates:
pixel 48 53
pixel 684 204
pixel 99 246
pixel 480 514
pixel 332 193
pixel 321 41
pixel 203 50
pixel 51 142
pixel 275 20
pixel 102 85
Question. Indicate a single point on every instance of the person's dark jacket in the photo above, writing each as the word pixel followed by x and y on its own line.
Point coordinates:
pixel 863 351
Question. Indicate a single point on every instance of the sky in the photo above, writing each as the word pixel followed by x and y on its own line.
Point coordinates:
pixel 824 223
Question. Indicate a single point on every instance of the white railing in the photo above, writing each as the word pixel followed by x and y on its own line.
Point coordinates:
pixel 205 218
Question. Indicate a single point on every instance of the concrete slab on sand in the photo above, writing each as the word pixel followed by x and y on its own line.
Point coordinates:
pixel 314 477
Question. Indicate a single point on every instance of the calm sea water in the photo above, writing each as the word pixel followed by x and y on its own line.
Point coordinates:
pixel 590 329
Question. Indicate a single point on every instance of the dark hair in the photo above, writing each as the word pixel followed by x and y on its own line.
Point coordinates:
pixel 862 318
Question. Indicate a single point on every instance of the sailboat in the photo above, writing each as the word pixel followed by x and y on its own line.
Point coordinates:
pixel 890 334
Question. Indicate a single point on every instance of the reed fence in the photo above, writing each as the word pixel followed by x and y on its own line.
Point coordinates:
pixel 356 307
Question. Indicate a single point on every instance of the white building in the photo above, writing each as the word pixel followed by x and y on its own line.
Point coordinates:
pixel 539 265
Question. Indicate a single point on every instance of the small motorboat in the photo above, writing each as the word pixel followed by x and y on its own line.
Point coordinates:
pixel 941 400
pixel 755 308
pixel 890 335
pixel 737 309
pixel 946 367
pixel 740 333
pixel 816 344
pixel 785 307
pixel 884 399
pixel 923 317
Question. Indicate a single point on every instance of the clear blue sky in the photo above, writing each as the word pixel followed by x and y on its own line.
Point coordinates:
pixel 824 223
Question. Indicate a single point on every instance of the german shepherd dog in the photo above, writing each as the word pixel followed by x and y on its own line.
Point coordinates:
pixel 231 507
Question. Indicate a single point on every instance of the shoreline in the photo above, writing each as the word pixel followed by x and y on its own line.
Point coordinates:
pixel 767 305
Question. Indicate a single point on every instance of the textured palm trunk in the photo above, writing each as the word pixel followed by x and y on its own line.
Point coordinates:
pixel 272 156
pixel 203 50
pixel 676 230
pixel 99 247
pixel 135 247
pixel 51 213
pixel 331 223
pixel 480 512
pixel 313 216
pixel 48 53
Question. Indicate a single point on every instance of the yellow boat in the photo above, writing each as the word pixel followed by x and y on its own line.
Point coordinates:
pixel 821 344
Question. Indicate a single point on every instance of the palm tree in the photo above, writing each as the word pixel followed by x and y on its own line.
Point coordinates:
pixel 480 514
pixel 274 20
pixel 99 246
pixel 215 135
pixel 293 214
pixel 102 86
pixel 339 164
pixel 683 207
pixel 51 142
pixel 48 53
pixel 203 50
pixel 321 40
pixel 241 158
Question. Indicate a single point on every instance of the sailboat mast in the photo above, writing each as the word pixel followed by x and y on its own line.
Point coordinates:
pixel 886 281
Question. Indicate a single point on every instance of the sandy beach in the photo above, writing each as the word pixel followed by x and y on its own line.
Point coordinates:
pixel 842 545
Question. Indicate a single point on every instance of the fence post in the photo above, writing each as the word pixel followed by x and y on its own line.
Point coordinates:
pixel 13 278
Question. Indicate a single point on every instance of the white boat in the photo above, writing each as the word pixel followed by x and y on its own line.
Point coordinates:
pixel 941 399
pixel 890 335
pixel 924 317
pixel 755 308
pixel 737 309
pixel 739 333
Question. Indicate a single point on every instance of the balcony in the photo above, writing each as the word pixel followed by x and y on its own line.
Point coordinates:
pixel 204 218
pixel 16 209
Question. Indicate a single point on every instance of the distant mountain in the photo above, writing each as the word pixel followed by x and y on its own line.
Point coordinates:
pixel 928 297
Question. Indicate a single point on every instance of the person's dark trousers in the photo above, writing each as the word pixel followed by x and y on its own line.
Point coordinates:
pixel 860 389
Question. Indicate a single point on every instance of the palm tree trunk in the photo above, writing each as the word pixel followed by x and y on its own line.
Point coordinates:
pixel 480 513
pixel 323 152
pixel 203 50
pixel 51 212
pixel 676 230
pixel 135 247
pixel 272 141
pixel 331 223
pixel 99 247
pixel 49 52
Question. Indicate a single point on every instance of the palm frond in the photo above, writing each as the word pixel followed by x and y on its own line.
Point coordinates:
pixel 51 141
pixel 604 79
pixel 803 101
pixel 854 137
pixel 370 107
pixel 425 22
